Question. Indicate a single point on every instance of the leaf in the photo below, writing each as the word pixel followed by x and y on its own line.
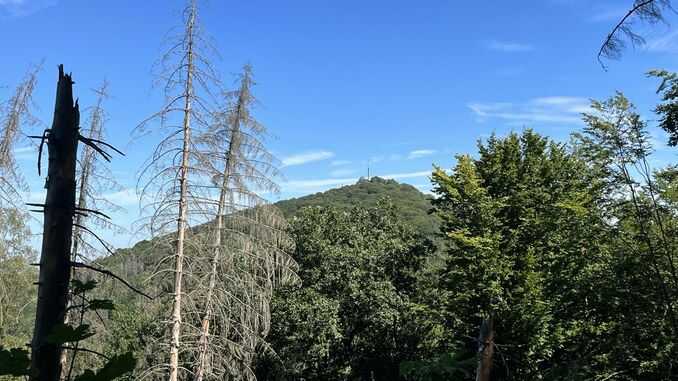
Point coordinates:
pixel 117 366
pixel 79 287
pixel 14 362
pixel 63 333
pixel 101 304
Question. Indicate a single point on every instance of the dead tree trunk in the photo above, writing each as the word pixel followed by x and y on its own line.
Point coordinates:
pixel 86 171
pixel 55 259
pixel 183 201
pixel 485 350
pixel 203 343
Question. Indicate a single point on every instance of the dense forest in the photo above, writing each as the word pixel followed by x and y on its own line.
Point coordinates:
pixel 532 258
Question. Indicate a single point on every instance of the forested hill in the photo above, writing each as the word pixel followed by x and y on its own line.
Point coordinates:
pixel 413 206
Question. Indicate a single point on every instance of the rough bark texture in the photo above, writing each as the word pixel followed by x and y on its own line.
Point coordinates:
pixel 183 198
pixel 485 350
pixel 83 184
pixel 55 265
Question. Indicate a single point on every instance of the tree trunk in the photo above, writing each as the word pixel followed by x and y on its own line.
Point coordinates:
pixel 205 329
pixel 55 265
pixel 485 350
pixel 86 170
pixel 183 206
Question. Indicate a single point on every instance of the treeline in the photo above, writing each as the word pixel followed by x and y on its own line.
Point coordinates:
pixel 541 260
pixel 554 261
pixel 557 263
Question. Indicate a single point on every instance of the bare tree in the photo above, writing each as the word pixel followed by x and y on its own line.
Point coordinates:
pixel 250 249
pixel 14 115
pixel 172 183
pixel 55 263
pixel 648 11
pixel 59 211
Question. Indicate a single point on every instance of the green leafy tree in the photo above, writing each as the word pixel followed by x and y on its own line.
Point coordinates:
pixel 641 219
pixel 351 318
pixel 523 251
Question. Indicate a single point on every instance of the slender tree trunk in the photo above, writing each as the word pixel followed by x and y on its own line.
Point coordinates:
pixel 183 196
pixel 485 350
pixel 55 260
pixel 203 345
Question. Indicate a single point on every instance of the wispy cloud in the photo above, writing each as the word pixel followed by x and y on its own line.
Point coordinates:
pixel 664 44
pixel 553 109
pixel 305 186
pixel 416 154
pixel 307 157
pixel 407 175
pixel 311 185
pixel 509 46
pixel 19 8
pixel 25 153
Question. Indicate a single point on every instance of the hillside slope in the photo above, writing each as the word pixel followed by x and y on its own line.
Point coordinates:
pixel 413 206
pixel 136 263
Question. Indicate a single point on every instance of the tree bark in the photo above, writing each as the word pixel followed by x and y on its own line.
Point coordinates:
pixel 217 243
pixel 485 350
pixel 55 259
pixel 85 173
pixel 183 206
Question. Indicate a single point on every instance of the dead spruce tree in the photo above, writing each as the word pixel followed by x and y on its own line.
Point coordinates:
pixel 172 183
pixel 15 114
pixel 249 248
pixel 59 211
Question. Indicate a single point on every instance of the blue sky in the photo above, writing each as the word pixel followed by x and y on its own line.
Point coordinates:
pixel 400 84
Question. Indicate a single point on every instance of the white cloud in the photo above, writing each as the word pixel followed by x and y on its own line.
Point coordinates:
pixel 26 153
pixel 18 8
pixel 416 154
pixel 309 185
pixel 665 44
pixel 306 186
pixel 307 157
pixel 553 109
pixel 509 46
pixel 407 175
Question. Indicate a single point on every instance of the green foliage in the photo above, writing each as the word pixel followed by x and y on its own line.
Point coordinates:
pixel 14 362
pixel 668 110
pixel 100 304
pixel 17 292
pixel 444 367
pixel 79 287
pixel 352 318
pixel 65 333
pixel 524 246
pixel 116 367
pixel 413 206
